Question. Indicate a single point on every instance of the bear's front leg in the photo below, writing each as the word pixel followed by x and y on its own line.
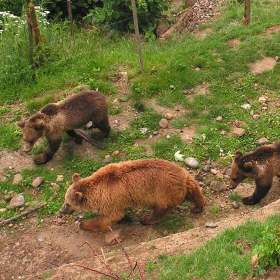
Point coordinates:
pixel 262 188
pixel 49 152
pixel 97 224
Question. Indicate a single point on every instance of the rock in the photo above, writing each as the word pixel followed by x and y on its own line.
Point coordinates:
pixel 277 58
pixel 217 186
pixel 262 141
pixel 41 239
pixel 168 116
pixel 59 178
pixel 16 201
pixel 191 162
pixel 238 131
pixel 155 132
pixel 115 153
pixel 206 168
pixel 108 159
pixel 210 225
pixel 143 130
pixel 110 239
pixel 163 123
pixel 235 204
pixel 256 117
pixel 17 178
pixel 2 210
pixel 37 182
pixel 7 197
pixel 214 171
pixel 219 118
pixel 262 99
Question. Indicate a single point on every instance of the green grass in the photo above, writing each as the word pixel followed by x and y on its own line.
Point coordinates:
pixel 227 255
pixel 170 71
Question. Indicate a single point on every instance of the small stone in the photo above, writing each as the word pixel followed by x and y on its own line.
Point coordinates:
pixel 7 197
pixel 89 125
pixel 262 99
pixel 10 225
pixel 37 182
pixel 235 204
pixel 55 186
pixel 214 171
pixel 163 123
pixel 2 210
pixel 110 239
pixel 276 58
pixel 107 156
pixel 16 201
pixel 210 225
pixel 217 186
pixel 262 141
pixel 41 239
pixel 168 116
pixel 191 162
pixel 17 178
pixel 256 117
pixel 108 159
pixel 59 178
pixel 238 131
pixel 115 153
pixel 219 118
pixel 155 133
pixel 206 168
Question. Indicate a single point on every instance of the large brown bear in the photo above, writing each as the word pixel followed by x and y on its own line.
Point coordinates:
pixel 260 165
pixel 74 112
pixel 152 183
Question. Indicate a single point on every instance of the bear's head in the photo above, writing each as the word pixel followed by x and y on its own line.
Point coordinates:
pixel 241 169
pixel 33 129
pixel 74 198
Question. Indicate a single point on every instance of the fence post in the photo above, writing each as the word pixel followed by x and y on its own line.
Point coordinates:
pixel 70 19
pixel 247 12
pixel 137 34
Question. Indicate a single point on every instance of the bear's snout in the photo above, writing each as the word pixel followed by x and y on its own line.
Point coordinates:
pixel 66 209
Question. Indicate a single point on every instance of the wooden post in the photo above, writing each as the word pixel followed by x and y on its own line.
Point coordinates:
pixel 137 36
pixel 247 12
pixel 70 19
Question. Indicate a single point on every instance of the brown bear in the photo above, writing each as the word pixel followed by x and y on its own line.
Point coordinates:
pixel 150 183
pixel 68 115
pixel 260 165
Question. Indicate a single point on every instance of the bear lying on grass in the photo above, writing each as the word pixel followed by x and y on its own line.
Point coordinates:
pixel 74 112
pixel 152 183
pixel 260 165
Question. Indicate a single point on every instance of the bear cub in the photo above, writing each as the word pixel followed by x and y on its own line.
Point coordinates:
pixel 260 165
pixel 71 113
pixel 151 183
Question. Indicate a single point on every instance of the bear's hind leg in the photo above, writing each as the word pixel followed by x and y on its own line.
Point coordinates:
pixel 97 224
pixel 156 216
pixel 78 138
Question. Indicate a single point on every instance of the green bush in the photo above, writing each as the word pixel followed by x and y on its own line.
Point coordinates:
pixel 117 15
pixel 268 250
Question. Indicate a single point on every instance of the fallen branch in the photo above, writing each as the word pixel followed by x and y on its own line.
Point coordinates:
pixel 23 214
pixel 86 136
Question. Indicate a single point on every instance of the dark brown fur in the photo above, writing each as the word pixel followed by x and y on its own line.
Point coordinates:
pixel 260 165
pixel 152 183
pixel 74 112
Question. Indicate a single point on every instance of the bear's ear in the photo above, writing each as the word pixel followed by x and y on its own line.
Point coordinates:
pixel 20 124
pixel 248 165
pixel 78 196
pixel 76 178
pixel 50 109
pixel 238 155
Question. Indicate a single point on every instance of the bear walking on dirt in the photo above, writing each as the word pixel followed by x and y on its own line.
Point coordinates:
pixel 151 183
pixel 260 165
pixel 68 115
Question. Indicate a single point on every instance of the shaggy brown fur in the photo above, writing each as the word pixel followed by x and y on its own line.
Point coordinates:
pixel 74 112
pixel 260 165
pixel 152 183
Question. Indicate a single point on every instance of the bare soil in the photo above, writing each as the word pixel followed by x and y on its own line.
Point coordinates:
pixel 52 248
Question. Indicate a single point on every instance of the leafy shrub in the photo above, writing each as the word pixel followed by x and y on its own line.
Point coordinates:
pixel 117 15
pixel 268 251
